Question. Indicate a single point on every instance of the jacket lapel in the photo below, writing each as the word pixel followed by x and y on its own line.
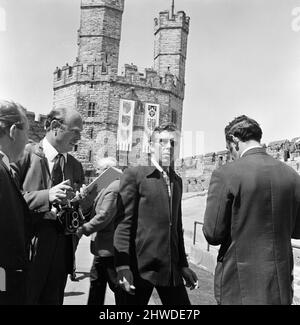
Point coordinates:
pixel 46 176
pixel 9 174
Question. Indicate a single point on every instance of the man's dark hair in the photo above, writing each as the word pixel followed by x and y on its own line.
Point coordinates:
pixel 11 113
pixel 244 128
pixel 167 126
pixel 58 114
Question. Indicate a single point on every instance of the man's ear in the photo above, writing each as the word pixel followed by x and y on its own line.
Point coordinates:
pixel 13 132
pixel 55 125
pixel 235 139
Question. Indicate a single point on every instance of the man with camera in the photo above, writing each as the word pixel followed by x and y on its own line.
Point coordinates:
pixel 49 176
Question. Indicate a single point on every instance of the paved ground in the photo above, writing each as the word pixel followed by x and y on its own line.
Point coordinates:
pixel 77 292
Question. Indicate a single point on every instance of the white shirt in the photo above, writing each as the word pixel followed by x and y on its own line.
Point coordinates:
pixel 156 164
pixel 166 176
pixel 249 148
pixel 50 153
pixel 5 159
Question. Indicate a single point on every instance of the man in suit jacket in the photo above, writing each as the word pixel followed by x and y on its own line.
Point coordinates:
pixel 14 213
pixel 43 189
pixel 253 211
pixel 102 227
pixel 149 245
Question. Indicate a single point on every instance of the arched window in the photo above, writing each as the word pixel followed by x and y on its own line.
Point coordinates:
pixel 90 155
pixel 91 133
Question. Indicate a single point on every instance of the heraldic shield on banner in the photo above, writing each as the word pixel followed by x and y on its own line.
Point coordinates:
pixel 126 113
pixel 151 122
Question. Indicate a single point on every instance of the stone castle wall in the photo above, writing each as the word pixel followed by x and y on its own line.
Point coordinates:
pixel 36 126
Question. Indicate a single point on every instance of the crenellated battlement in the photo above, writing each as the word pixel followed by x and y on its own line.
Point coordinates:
pixel 150 79
pixel 114 4
pixel 32 118
pixel 167 20
pixel 131 75
pixel 79 72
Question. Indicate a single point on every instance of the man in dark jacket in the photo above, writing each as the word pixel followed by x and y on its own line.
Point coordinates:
pixel 47 173
pixel 253 211
pixel 14 213
pixel 102 227
pixel 149 245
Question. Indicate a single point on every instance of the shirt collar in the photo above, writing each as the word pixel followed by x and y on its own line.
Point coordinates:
pixel 50 152
pixel 249 148
pixel 156 164
pixel 5 159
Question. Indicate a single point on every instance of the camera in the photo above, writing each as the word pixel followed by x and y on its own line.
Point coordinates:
pixel 70 218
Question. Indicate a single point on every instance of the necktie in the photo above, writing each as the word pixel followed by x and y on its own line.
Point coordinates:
pixel 167 180
pixel 57 171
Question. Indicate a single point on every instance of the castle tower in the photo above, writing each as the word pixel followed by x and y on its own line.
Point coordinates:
pixel 100 32
pixel 92 86
pixel 170 45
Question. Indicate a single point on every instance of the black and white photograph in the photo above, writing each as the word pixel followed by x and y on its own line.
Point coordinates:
pixel 150 155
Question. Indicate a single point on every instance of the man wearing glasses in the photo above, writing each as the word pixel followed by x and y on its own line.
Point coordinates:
pixel 253 211
pixel 14 213
pixel 149 245
pixel 47 173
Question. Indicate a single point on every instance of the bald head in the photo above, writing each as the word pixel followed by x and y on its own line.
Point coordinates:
pixel 62 114
pixel 63 127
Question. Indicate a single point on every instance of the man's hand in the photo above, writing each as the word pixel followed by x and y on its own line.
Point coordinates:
pixel 58 193
pixel 79 232
pixel 85 198
pixel 190 277
pixel 125 280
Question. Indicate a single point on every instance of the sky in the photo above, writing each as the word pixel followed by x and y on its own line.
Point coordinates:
pixel 243 57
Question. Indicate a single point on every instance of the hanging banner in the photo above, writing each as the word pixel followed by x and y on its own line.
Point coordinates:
pixel 126 113
pixel 151 122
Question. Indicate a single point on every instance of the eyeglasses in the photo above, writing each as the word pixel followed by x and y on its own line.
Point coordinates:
pixel 19 125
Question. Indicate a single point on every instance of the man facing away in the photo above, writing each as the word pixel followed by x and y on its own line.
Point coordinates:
pixel 149 245
pixel 102 227
pixel 15 220
pixel 253 211
pixel 47 173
